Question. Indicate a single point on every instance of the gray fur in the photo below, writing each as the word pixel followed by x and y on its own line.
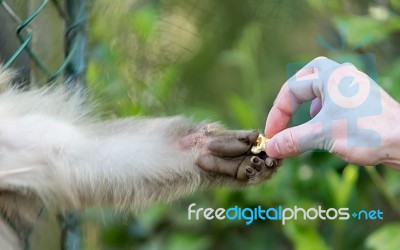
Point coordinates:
pixel 53 154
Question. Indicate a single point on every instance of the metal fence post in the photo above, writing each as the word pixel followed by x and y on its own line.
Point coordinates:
pixel 75 40
pixel 75 47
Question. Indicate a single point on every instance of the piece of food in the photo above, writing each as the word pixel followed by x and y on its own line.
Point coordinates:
pixel 261 143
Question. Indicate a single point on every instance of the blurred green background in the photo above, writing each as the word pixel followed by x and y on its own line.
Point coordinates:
pixel 226 61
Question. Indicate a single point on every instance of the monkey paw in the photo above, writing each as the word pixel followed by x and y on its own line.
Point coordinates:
pixel 257 168
pixel 229 153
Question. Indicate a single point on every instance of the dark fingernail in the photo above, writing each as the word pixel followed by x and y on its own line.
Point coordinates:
pixel 256 161
pixel 249 170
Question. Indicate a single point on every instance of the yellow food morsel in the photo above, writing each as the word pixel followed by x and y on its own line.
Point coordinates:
pixel 261 142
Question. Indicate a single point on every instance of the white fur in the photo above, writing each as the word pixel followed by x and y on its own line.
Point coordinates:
pixel 52 153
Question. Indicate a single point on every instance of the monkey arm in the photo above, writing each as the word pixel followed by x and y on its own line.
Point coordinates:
pixel 52 150
pixel 137 161
pixel 126 163
pixel 52 153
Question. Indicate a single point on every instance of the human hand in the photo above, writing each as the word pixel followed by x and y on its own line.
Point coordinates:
pixel 352 116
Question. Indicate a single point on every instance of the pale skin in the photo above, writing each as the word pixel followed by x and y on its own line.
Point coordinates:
pixel 374 115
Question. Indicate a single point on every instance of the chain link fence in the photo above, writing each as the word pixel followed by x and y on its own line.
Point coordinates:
pixel 35 27
pixel 45 40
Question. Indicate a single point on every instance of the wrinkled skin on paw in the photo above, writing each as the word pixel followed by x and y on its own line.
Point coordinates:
pixel 230 154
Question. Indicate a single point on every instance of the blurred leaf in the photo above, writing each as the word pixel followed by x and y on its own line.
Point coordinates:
pixel 242 111
pixel 392 182
pixel 364 30
pixel 325 5
pixel 385 238
pixel 342 186
pixel 304 236
pixel 152 215
pixel 143 22
pixel 395 4
pixel 187 240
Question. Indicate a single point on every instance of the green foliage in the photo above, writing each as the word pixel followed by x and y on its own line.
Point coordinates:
pixel 342 185
pixel 367 30
pixel 305 236
pixel 385 238
pixel 226 60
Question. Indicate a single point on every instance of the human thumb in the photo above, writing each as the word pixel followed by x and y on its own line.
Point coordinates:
pixel 295 140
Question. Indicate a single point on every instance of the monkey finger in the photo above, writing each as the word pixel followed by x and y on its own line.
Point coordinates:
pixel 257 163
pixel 244 173
pixel 249 137
pixel 228 147
pixel 245 170
pixel 233 145
pixel 217 165
pixel 250 168
pixel 271 162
